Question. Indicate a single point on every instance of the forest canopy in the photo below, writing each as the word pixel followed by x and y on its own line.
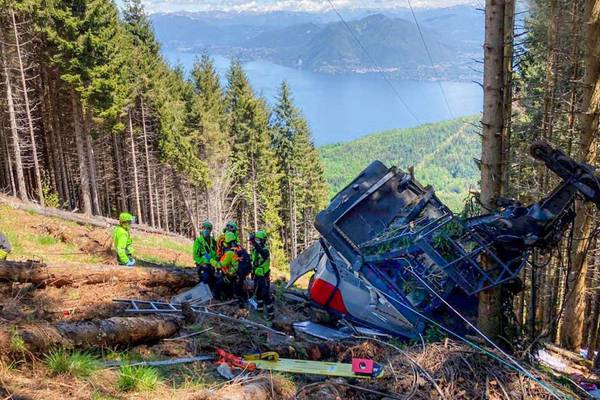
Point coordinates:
pixel 93 119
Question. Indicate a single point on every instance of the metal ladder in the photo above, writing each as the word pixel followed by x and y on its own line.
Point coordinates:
pixel 158 307
pixel 151 307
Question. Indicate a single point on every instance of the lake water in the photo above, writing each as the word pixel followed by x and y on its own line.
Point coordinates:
pixel 344 107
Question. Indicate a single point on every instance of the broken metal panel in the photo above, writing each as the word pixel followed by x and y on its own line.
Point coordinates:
pixel 199 294
pixel 305 262
pixel 361 302
pixel 320 331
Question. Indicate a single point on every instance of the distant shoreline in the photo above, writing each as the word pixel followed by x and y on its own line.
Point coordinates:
pixel 423 73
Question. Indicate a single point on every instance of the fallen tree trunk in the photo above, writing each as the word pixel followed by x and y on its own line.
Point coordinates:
pixel 110 332
pixel 83 274
pixel 82 219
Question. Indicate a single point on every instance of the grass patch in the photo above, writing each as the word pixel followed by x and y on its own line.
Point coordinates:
pixel 157 241
pixel 16 341
pixel 46 240
pixel 78 364
pixel 138 378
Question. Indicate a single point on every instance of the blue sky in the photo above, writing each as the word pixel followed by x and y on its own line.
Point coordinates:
pixel 153 6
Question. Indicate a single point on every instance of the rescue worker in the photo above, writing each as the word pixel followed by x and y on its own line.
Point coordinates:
pixel 5 247
pixel 261 272
pixel 205 251
pixel 232 269
pixel 122 239
pixel 231 226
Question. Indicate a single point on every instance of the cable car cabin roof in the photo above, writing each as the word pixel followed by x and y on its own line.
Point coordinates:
pixel 374 200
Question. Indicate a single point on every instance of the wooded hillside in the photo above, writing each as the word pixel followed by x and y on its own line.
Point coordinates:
pixel 92 119
pixel 443 155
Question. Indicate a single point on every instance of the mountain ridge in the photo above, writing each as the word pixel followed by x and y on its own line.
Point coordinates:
pixel 320 43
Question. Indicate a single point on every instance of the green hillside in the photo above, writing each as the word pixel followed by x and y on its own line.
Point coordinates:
pixel 442 154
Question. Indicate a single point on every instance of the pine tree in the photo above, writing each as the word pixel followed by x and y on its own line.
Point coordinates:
pixel 254 167
pixel 212 139
pixel 302 183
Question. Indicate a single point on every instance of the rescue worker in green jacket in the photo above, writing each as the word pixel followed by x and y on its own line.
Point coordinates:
pixel 232 269
pixel 226 268
pixel 261 272
pixel 122 239
pixel 5 247
pixel 205 251
pixel 231 226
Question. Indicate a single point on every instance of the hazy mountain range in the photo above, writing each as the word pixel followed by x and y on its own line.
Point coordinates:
pixel 389 41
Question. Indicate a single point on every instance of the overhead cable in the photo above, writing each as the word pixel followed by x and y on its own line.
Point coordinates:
pixel 372 60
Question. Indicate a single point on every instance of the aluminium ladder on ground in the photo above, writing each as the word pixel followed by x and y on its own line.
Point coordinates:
pixel 159 307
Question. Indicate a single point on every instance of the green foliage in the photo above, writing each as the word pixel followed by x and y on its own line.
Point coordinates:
pixel 78 364
pixel 303 186
pixel 254 167
pixel 433 334
pixel 46 240
pixel 16 341
pixel 442 154
pixel 51 197
pixel 132 378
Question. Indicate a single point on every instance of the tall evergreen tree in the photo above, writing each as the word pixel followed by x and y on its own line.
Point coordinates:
pixel 253 164
pixel 212 138
pixel 302 180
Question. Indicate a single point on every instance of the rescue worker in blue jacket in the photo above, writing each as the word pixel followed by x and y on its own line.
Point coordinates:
pixel 261 272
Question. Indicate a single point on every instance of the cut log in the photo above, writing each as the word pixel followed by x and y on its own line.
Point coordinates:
pixel 116 331
pixel 81 219
pixel 83 274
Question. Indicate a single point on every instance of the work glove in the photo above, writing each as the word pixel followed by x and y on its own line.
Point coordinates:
pixel 131 262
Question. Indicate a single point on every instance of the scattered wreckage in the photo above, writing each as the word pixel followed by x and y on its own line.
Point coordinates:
pixel 393 257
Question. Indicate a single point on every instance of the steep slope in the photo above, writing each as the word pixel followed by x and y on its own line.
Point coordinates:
pixel 442 154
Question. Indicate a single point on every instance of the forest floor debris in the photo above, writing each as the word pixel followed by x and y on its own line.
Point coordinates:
pixel 452 370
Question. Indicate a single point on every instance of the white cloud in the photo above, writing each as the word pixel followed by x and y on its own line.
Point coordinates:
pixel 153 6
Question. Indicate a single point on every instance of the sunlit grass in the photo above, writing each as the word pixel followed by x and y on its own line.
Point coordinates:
pixel 16 341
pixel 132 378
pixel 78 364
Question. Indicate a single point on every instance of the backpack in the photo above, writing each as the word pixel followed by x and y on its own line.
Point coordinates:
pixel 245 265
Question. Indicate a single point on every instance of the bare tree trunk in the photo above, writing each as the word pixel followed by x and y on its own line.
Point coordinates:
pixel 493 166
pixel 80 144
pixel 147 153
pixel 62 157
pixel 92 168
pixel 114 331
pixel 21 188
pixel 165 199
pixel 293 222
pixel 67 275
pixel 572 330
pixel 9 168
pixel 122 195
pixel 157 198
pixel 136 187
pixel 36 166
pixel 187 205
pixel 53 147
pixel 254 195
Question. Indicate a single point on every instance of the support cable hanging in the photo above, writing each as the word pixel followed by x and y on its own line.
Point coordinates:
pixel 510 361
pixel 375 64
pixel 430 58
